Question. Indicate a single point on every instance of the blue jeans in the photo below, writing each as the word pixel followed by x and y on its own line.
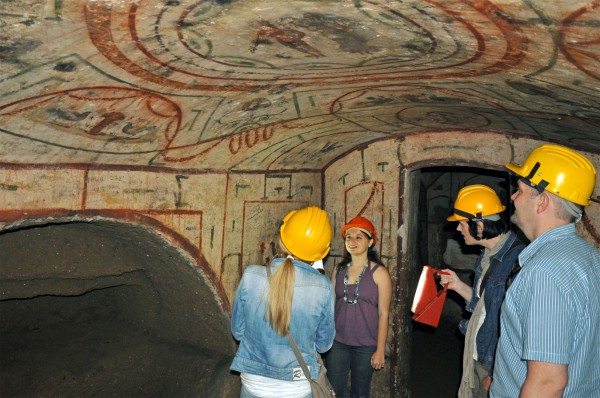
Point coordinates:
pixel 345 359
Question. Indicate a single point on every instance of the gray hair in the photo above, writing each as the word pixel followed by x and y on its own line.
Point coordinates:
pixel 567 210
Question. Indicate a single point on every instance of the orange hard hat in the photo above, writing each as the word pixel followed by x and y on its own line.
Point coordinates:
pixel 364 225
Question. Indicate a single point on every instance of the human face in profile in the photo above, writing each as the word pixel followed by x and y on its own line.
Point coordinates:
pixel 525 201
pixel 463 228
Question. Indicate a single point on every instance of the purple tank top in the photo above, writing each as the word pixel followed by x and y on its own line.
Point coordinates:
pixel 357 324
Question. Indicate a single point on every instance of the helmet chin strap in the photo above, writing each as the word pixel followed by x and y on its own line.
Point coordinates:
pixel 469 216
pixel 540 186
pixel 478 216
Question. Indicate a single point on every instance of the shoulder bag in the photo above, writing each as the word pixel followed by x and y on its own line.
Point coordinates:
pixel 321 387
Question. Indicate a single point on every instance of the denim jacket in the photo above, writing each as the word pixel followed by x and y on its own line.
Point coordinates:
pixel 262 351
pixel 501 266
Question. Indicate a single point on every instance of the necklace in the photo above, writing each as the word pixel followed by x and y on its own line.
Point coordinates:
pixel 346 281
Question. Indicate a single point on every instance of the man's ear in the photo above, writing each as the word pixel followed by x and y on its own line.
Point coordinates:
pixel 543 202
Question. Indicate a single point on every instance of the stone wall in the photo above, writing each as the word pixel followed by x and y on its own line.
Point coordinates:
pixel 227 220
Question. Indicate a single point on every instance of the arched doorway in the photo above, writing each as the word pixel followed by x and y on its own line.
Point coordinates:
pixel 438 351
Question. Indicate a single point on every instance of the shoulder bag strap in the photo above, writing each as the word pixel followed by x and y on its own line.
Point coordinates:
pixel 292 342
pixel 300 358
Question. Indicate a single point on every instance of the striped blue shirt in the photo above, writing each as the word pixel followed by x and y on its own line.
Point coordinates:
pixel 552 314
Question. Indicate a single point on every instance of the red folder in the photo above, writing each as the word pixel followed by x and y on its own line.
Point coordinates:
pixel 428 301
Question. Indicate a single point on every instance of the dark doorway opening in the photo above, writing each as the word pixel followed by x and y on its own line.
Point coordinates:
pixel 436 353
pixel 107 309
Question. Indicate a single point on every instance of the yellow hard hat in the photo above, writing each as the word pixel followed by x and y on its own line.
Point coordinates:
pixel 307 233
pixel 475 202
pixel 559 170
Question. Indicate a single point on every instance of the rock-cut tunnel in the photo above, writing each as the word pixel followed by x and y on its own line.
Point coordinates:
pixel 103 308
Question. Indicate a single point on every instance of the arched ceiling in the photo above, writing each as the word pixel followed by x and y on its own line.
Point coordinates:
pixel 270 85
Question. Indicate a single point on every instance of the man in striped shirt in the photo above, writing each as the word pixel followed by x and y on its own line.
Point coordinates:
pixel 550 324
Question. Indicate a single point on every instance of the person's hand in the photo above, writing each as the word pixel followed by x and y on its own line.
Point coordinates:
pixel 378 360
pixel 454 283
pixel 486 382
pixel 452 280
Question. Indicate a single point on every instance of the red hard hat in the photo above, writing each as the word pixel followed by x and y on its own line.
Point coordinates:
pixel 364 225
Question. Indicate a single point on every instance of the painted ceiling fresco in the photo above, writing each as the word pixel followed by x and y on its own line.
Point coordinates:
pixel 272 85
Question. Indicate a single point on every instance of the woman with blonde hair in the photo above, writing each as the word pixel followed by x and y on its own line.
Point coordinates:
pixel 295 299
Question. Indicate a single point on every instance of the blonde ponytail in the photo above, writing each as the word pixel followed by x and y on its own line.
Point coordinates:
pixel 279 299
